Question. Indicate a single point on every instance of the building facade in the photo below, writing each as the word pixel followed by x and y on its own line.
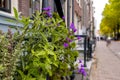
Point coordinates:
pixel 77 16
pixel 27 8
pixel 6 12
pixel 80 12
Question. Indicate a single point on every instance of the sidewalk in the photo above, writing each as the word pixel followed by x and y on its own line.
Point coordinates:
pixel 88 65
pixel 107 64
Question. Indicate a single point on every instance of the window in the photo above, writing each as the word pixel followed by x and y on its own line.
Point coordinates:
pixel 5 5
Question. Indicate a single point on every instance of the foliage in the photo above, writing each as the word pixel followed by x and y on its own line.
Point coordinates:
pixel 42 48
pixel 9 51
pixel 111 18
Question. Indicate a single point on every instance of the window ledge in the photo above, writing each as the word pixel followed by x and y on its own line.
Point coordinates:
pixel 6 15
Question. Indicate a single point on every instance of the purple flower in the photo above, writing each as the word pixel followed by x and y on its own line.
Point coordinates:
pixel 65 45
pixel 74 30
pixel 47 8
pixel 72 26
pixel 78 37
pixel 81 69
pixel 49 14
pixel 58 24
pixel 80 61
pixel 68 39
pixel 82 65
pixel 84 73
pixel 63 17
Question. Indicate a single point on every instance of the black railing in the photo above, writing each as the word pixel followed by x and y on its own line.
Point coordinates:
pixel 85 47
pixel 87 43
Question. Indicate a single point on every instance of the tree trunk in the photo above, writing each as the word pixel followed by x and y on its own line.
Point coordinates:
pixel 118 34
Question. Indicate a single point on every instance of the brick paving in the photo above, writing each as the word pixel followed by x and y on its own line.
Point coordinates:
pixel 107 62
pixel 115 48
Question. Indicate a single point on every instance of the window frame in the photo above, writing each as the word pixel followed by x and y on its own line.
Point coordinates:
pixel 5 9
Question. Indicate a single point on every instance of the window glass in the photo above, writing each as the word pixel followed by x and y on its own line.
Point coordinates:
pixel 5 5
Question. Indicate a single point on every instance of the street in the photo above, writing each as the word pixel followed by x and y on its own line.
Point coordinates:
pixel 107 61
pixel 115 48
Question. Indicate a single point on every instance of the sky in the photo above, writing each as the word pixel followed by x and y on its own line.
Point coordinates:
pixel 99 7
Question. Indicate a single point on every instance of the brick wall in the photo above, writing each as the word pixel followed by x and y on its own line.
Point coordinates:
pixel 24 7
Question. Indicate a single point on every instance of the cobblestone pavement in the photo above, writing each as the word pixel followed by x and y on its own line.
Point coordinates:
pixel 107 62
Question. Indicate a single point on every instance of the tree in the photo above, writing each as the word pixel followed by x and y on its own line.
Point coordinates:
pixel 111 21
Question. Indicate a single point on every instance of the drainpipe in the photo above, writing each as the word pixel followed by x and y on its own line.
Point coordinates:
pixel 45 3
pixel 68 13
pixel 73 11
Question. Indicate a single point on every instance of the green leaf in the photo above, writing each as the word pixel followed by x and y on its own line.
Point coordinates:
pixel 21 74
pixel 15 13
pixel 1 67
pixel 41 52
pixel 40 77
pixel 55 64
pixel 38 52
pixel 73 44
pixel 52 53
pixel 54 21
pixel 50 72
